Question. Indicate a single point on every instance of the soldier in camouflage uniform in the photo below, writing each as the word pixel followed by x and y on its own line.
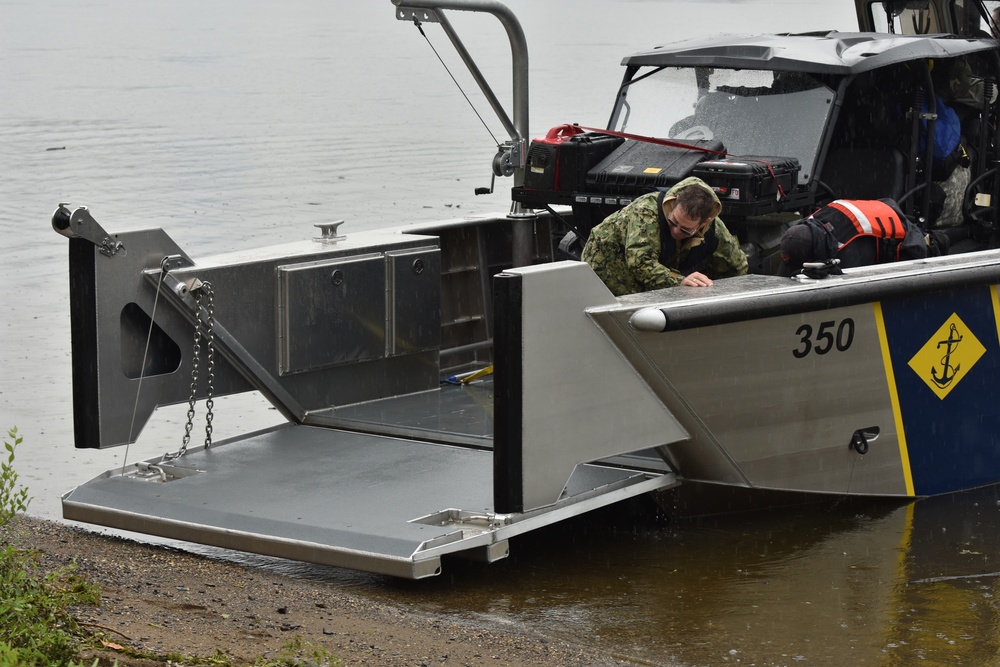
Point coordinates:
pixel 665 239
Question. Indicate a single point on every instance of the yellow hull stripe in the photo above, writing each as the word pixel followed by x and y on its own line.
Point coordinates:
pixel 996 309
pixel 904 456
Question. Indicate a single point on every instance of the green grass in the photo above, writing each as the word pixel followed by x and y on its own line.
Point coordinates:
pixel 37 627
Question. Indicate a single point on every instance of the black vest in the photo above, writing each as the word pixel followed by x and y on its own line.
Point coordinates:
pixel 695 260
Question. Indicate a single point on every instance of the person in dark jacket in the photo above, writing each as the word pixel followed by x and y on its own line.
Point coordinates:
pixel 856 232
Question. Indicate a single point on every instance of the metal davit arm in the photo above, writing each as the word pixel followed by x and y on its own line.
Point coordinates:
pixel 514 156
pixel 430 10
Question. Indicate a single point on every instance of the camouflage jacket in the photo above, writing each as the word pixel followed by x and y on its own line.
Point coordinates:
pixel 625 249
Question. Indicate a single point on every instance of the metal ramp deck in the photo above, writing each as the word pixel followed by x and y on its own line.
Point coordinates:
pixel 388 505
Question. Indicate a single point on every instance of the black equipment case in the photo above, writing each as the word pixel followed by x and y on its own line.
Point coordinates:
pixel 750 185
pixel 558 163
pixel 597 174
pixel 638 167
pixel 631 170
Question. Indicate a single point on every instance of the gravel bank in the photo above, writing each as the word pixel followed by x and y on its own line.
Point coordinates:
pixel 164 601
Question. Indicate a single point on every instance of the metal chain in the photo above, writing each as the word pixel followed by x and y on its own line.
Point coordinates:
pixel 205 330
pixel 210 362
pixel 195 361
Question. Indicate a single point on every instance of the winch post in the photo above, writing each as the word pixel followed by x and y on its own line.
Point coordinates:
pixel 521 218
pixel 518 129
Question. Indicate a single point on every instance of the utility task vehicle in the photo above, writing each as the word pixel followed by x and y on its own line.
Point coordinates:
pixel 786 123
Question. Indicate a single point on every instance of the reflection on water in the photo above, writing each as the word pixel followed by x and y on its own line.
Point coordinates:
pixel 864 585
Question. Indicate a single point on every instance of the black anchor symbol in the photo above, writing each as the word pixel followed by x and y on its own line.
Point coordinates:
pixel 952 341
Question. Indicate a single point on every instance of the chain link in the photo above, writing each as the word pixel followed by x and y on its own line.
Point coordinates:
pixel 210 362
pixel 204 330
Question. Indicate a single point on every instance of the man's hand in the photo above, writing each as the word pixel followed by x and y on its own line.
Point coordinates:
pixel 696 280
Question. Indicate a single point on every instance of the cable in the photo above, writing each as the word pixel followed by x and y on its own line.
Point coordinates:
pixel 142 367
pixel 457 84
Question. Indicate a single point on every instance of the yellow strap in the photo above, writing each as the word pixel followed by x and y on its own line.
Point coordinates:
pixel 478 374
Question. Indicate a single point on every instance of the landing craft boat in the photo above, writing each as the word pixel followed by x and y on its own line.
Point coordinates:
pixel 875 383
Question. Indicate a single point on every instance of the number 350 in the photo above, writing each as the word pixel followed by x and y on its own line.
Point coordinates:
pixel 826 337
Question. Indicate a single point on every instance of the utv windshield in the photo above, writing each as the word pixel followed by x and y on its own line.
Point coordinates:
pixel 752 112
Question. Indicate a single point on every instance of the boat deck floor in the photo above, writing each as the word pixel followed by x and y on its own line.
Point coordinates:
pixel 459 414
pixel 456 414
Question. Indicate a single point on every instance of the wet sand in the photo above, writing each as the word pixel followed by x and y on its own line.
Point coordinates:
pixel 159 600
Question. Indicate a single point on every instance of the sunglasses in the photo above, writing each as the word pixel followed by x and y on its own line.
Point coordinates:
pixel 683 230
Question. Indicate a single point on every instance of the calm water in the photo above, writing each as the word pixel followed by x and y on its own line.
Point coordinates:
pixel 234 124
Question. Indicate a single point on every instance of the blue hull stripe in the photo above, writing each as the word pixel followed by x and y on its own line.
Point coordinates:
pixel 949 398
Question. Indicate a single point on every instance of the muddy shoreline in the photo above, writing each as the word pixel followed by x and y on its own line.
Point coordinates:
pixel 164 601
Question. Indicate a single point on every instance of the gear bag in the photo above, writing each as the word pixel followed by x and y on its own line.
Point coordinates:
pixel 949 150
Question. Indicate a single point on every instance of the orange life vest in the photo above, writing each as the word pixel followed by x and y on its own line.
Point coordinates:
pixel 846 220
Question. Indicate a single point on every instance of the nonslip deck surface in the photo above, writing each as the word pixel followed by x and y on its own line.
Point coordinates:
pixel 313 494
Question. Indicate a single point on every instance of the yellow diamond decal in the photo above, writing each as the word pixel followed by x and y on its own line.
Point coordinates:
pixel 947 357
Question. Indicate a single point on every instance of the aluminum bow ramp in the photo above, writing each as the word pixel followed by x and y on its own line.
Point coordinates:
pixel 380 467
pixel 388 505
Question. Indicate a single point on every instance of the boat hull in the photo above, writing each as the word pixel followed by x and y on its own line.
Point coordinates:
pixel 850 393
